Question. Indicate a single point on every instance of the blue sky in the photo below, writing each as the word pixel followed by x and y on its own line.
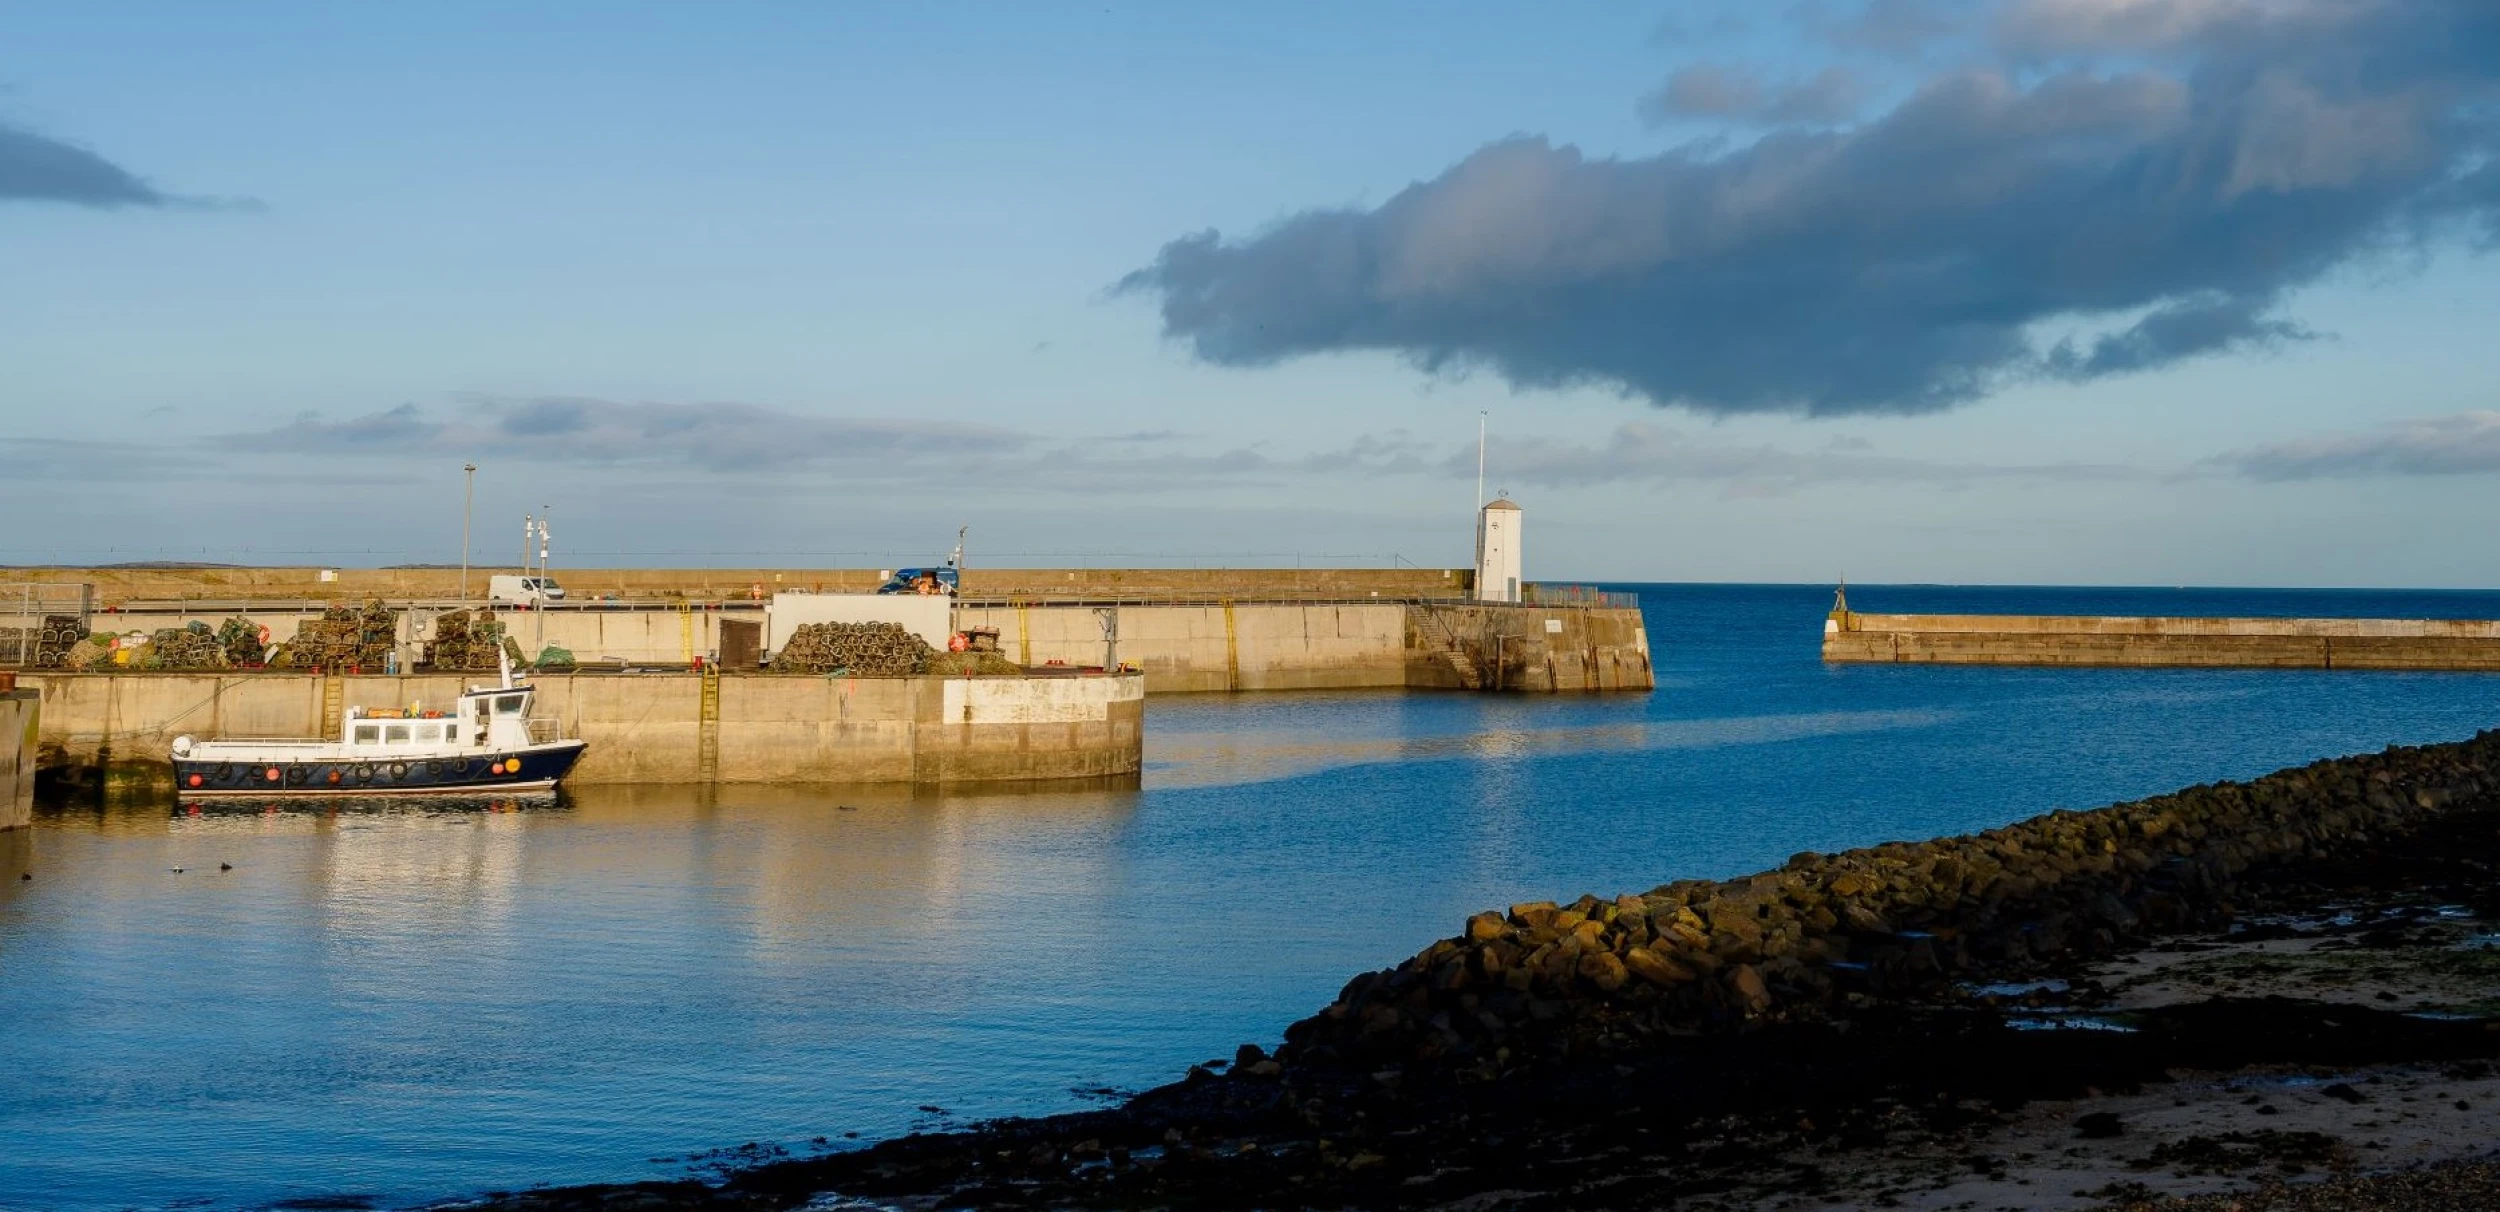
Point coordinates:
pixel 2112 291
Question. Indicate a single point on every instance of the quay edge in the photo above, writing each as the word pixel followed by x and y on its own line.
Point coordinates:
pixel 20 722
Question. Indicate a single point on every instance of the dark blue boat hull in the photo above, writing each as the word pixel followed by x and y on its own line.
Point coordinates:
pixel 533 769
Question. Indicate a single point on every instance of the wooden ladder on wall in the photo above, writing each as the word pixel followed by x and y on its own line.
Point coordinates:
pixel 1437 634
pixel 707 729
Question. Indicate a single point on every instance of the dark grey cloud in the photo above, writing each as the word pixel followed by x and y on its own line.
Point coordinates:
pixel 725 437
pixel 39 168
pixel 1711 90
pixel 2466 443
pixel 2169 169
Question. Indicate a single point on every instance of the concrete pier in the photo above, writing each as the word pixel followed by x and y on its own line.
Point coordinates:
pixel 2418 644
pixel 648 728
pixel 20 721
pixel 1182 646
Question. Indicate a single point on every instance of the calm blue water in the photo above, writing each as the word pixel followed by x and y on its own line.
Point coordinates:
pixel 409 1005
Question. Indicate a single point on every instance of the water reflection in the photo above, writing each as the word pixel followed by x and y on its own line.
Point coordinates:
pixel 1495 730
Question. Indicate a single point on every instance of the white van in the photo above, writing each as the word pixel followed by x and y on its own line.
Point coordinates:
pixel 524 590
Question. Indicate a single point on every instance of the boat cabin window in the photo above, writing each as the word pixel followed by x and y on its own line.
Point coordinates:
pixel 396 734
pixel 368 734
pixel 509 704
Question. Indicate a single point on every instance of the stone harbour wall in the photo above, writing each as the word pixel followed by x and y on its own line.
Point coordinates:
pixel 1852 637
pixel 1544 982
pixel 649 728
pixel 1530 648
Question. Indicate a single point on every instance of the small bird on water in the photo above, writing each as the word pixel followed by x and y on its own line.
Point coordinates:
pixel 225 866
pixel 177 871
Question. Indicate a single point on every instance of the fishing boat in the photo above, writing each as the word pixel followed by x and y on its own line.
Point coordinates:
pixel 486 743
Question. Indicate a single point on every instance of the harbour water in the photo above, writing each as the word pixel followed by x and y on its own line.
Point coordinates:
pixel 385 1005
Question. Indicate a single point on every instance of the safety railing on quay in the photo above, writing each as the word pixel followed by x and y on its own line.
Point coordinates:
pixel 1563 597
pixel 40 621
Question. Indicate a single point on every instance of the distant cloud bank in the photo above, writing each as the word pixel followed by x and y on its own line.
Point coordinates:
pixel 2161 172
pixel 2465 443
pixel 727 437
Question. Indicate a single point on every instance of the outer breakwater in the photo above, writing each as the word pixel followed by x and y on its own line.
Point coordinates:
pixel 1851 637
pixel 647 728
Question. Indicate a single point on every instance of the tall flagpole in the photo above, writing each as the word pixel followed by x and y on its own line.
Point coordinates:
pixel 468 497
pixel 1479 519
pixel 1480 458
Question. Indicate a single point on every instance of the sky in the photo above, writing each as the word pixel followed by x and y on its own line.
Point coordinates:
pixel 1992 291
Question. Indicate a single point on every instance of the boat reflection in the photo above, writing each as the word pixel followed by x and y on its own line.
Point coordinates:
pixel 191 814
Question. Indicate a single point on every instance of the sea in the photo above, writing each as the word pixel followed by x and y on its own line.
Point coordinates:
pixel 384 1006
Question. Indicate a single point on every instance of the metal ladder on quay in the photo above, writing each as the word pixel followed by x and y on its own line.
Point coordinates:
pixel 333 703
pixel 1437 633
pixel 707 729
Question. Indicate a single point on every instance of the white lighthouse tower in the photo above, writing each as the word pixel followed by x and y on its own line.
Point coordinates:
pixel 1497 552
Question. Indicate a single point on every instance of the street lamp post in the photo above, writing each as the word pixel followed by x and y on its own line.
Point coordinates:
pixel 468 498
pixel 544 512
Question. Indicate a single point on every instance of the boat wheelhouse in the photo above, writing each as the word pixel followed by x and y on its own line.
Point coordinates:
pixel 487 742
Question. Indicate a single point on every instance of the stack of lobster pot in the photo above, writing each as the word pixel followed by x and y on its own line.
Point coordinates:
pixel 192 646
pixel 43 645
pixel 861 649
pixel 343 637
pixel 240 639
pixel 464 641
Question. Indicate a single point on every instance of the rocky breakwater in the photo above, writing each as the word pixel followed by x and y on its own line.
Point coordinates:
pixel 1546 982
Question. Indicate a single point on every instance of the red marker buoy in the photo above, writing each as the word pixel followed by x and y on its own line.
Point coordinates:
pixel 272 772
pixel 195 780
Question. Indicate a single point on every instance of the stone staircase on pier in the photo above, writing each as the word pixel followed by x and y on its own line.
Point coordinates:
pixel 1436 633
